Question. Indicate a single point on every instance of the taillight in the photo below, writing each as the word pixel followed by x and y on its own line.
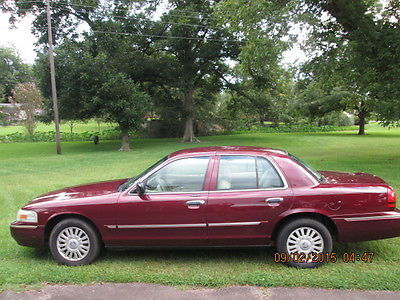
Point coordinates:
pixel 392 198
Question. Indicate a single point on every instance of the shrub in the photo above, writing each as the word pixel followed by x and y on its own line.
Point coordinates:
pixel 48 136
pixel 345 120
pixel 335 119
pixel 3 118
pixel 295 128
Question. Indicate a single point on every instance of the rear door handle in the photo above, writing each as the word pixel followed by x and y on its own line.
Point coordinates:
pixel 195 202
pixel 274 200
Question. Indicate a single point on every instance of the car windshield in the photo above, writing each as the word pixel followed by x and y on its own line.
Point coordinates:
pixel 314 172
pixel 130 181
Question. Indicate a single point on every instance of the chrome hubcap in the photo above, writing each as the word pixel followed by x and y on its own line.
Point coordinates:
pixel 305 240
pixel 73 243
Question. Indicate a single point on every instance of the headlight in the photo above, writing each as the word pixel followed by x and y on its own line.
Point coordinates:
pixel 27 216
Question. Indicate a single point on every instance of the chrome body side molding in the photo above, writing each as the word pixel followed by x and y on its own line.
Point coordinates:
pixel 199 225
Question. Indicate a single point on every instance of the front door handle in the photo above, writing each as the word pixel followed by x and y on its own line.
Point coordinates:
pixel 274 200
pixel 195 202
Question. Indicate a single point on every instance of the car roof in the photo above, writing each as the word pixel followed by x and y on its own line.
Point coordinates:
pixel 227 150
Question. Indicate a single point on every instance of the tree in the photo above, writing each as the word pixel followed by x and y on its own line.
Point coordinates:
pixel 29 100
pixel 120 100
pixel 366 30
pixel 66 16
pixel 91 85
pixel 180 60
pixel 260 83
pixel 12 72
pixel 198 48
pixel 331 83
pixel 184 39
pixel 370 32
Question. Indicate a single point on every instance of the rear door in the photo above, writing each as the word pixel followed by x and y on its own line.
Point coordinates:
pixel 246 193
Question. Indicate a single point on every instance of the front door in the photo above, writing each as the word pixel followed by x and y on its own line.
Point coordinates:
pixel 246 194
pixel 172 212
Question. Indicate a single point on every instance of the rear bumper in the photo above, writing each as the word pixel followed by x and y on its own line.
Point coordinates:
pixel 28 234
pixel 375 226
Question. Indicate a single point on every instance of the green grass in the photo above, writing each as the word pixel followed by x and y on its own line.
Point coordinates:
pixel 64 127
pixel 29 169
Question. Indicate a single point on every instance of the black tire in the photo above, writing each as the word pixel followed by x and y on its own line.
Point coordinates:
pixel 90 238
pixel 287 229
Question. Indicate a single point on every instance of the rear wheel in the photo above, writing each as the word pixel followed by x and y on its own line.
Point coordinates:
pixel 302 240
pixel 74 242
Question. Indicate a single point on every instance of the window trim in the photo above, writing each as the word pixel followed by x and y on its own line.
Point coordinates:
pixel 270 160
pixel 166 163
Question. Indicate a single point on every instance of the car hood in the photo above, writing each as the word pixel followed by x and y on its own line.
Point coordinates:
pixel 344 177
pixel 81 191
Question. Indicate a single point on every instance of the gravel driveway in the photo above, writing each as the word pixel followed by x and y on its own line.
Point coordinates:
pixel 147 291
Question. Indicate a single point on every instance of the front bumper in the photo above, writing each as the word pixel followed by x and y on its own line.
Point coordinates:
pixel 30 235
pixel 380 225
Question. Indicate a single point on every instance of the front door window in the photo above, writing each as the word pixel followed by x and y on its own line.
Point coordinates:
pixel 183 175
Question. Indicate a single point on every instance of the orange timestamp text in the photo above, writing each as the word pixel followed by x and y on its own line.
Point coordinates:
pixel 327 257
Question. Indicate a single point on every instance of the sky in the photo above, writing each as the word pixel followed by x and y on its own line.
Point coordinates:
pixel 22 40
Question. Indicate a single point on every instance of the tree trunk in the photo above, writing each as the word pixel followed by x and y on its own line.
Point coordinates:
pixel 361 119
pixel 30 123
pixel 125 140
pixel 188 135
pixel 71 126
pixel 361 125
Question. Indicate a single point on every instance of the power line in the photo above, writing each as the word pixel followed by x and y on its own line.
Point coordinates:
pixel 65 4
pixel 22 2
pixel 127 18
pixel 191 15
pixel 140 34
pixel 159 22
pixel 165 36
pixel 55 4
pixel 158 36
pixel 24 10
pixel 128 9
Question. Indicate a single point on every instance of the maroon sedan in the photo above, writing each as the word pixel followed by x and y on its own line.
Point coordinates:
pixel 213 196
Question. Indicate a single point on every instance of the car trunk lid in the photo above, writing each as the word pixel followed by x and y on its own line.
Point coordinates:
pixel 347 178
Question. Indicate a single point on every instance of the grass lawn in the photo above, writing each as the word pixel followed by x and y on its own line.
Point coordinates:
pixel 30 169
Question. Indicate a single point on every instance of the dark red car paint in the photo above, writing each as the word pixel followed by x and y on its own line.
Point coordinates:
pixel 354 204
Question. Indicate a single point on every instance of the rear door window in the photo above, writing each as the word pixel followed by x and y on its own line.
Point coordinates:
pixel 239 172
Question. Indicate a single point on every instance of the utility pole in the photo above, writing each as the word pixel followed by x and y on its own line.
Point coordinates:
pixel 53 78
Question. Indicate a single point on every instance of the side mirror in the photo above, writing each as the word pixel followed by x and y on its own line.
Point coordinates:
pixel 141 188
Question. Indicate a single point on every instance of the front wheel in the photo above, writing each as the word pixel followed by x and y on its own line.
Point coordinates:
pixel 74 242
pixel 306 237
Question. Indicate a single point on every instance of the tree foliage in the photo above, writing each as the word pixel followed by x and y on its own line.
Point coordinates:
pixel 331 83
pixel 12 72
pixel 91 85
pixel 261 84
pixel 180 56
pixel 29 101
pixel 369 32
pixel 174 59
pixel 198 56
